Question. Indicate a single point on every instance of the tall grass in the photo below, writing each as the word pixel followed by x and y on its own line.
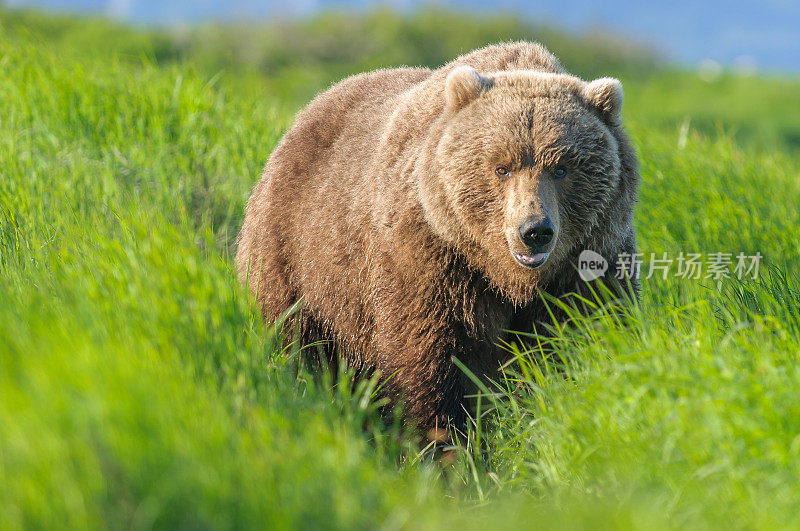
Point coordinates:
pixel 139 387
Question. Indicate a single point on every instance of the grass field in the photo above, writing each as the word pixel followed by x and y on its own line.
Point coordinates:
pixel 139 388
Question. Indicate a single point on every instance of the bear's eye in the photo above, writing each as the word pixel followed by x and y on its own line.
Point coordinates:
pixel 502 171
pixel 559 173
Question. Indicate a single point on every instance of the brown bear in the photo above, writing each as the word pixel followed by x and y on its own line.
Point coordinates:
pixel 417 214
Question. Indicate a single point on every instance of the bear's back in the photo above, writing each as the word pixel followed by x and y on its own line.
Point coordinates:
pixel 344 120
pixel 519 55
pixel 347 122
pixel 350 112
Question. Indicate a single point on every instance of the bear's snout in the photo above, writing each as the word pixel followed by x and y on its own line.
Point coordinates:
pixel 537 233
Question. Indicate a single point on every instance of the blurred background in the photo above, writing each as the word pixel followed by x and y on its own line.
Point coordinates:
pixel 747 35
pixel 712 66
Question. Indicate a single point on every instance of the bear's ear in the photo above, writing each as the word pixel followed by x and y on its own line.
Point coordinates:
pixel 606 95
pixel 463 84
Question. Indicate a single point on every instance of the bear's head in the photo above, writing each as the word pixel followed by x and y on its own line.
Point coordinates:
pixel 520 168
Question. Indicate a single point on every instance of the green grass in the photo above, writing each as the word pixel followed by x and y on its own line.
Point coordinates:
pixel 139 388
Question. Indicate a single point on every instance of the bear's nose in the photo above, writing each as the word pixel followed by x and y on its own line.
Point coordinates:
pixel 537 233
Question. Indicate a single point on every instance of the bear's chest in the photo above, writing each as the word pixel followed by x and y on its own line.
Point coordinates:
pixel 484 331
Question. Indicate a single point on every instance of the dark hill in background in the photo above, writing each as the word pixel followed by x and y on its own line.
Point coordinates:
pixel 745 34
pixel 294 58
pixel 301 55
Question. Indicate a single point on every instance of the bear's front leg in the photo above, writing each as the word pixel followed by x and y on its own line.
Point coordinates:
pixel 423 378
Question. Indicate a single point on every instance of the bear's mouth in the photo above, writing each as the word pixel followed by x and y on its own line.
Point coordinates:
pixel 532 261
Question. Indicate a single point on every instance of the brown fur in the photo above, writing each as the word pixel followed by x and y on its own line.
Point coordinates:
pixel 381 209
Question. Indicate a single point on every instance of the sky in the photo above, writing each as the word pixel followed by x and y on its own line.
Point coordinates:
pixel 747 34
